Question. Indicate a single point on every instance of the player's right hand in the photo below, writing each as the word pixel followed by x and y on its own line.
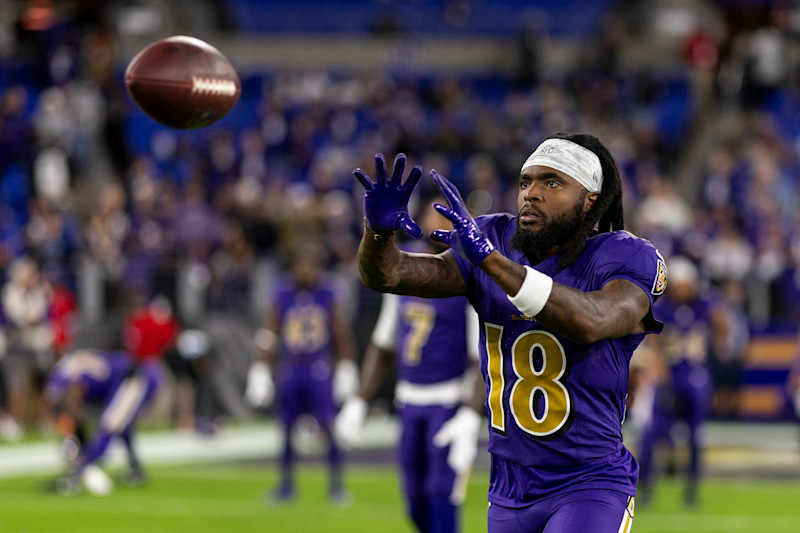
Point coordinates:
pixel 260 388
pixel 350 421
pixel 466 238
pixel 386 201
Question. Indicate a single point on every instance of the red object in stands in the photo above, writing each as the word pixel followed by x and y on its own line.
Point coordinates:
pixel 63 310
pixel 148 334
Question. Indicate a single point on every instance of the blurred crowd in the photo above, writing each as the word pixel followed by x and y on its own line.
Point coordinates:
pixel 93 229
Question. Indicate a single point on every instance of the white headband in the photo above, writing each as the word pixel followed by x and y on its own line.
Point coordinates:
pixel 572 159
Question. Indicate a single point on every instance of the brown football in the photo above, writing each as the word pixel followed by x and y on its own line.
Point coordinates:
pixel 183 82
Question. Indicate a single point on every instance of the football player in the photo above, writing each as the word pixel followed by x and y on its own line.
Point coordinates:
pixel 793 384
pixel 122 387
pixel 693 324
pixel 564 296
pixel 435 344
pixel 305 327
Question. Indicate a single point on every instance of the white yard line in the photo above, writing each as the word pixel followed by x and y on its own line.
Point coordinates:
pixel 176 448
pixel 733 447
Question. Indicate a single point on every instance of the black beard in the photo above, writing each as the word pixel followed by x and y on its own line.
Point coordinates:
pixel 554 232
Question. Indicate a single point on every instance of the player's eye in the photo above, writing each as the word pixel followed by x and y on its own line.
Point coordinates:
pixel 552 183
pixel 524 184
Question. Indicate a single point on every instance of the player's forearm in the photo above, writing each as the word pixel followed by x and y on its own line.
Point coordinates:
pixel 618 309
pixel 580 316
pixel 266 338
pixel 266 343
pixel 344 347
pixel 266 357
pixel 505 272
pixel 385 268
pixel 377 258
pixel 74 404
pixel 377 363
pixel 345 350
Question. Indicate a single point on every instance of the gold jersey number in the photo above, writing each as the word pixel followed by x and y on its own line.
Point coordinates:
pixel 306 328
pixel 420 317
pixel 557 404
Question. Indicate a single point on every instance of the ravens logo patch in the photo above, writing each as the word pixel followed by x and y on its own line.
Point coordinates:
pixel 660 283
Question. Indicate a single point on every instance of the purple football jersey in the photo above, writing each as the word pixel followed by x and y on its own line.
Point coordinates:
pixel 306 321
pixel 432 339
pixel 100 373
pixel 686 329
pixel 556 407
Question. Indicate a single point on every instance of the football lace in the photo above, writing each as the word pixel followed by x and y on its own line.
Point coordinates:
pixel 211 86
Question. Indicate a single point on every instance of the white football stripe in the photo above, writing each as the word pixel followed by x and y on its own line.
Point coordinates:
pixel 211 86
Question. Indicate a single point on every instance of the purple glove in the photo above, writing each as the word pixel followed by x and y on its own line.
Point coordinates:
pixel 386 202
pixel 466 239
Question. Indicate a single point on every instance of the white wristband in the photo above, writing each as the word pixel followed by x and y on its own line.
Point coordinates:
pixel 533 294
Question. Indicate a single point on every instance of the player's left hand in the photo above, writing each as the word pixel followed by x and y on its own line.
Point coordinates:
pixel 466 239
pixel 461 434
pixel 345 380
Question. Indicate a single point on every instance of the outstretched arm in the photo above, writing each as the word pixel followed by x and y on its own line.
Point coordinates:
pixel 618 309
pixel 377 363
pixel 266 339
pixel 384 267
pixel 260 389
pixel 345 377
pixel 343 344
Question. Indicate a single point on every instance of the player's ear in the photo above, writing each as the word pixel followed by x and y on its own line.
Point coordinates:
pixel 589 200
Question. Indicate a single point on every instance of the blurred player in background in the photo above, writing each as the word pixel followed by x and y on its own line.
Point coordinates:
pixel 437 343
pixel 793 384
pixel 693 325
pixel 29 355
pixel 727 365
pixel 304 328
pixel 191 366
pixel 122 386
pixel 556 341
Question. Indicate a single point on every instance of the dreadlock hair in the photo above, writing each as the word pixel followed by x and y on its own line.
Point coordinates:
pixel 606 213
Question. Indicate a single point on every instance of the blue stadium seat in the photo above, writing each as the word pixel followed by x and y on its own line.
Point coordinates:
pixel 576 18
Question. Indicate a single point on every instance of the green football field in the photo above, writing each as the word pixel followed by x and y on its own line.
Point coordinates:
pixel 230 498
